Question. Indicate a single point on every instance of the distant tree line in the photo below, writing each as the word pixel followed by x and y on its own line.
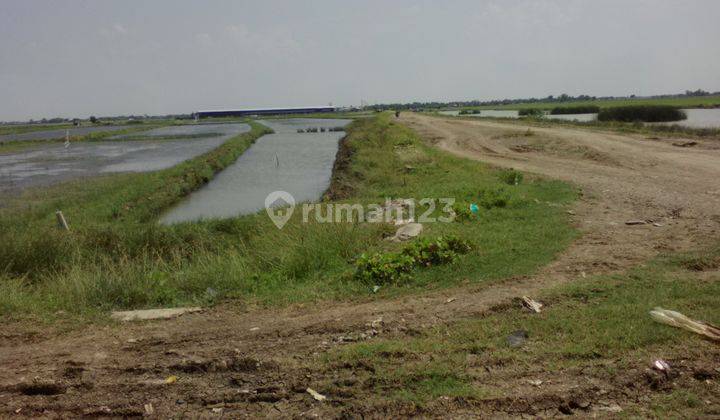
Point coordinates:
pixel 551 98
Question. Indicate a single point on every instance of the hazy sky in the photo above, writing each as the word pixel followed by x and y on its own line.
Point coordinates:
pixel 81 58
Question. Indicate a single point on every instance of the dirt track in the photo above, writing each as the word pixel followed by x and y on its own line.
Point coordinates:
pixel 245 362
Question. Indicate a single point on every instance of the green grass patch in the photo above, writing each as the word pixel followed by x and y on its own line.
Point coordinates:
pixel 117 256
pixel 599 324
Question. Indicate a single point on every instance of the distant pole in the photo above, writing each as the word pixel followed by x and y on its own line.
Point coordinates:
pixel 67 138
pixel 62 223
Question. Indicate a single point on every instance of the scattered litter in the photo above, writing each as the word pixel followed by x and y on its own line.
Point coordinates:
pixel 132 340
pixel 661 365
pixel 375 288
pixel 532 304
pixel 171 379
pixel 570 212
pixel 254 328
pixel 217 410
pixel 452 299
pixel 517 338
pixel 657 224
pixel 535 382
pixel 610 408
pixel 582 273
pixel 635 222
pixel 376 323
pixel 148 314
pixel 406 232
pixel 149 409
pixel 676 319
pixel 474 208
pixel 400 222
pixel 316 395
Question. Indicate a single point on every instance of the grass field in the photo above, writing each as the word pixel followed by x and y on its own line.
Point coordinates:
pixel 684 102
pixel 116 256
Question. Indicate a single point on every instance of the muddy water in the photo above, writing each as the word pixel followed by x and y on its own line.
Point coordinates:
pixel 60 133
pixel 50 164
pixel 299 163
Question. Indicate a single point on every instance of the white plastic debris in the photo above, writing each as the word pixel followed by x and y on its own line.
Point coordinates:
pixel 316 395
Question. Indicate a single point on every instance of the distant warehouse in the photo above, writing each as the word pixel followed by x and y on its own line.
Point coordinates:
pixel 261 111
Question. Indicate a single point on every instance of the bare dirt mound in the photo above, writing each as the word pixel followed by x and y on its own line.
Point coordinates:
pixel 232 362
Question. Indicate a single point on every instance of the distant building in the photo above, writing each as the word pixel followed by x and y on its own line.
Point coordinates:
pixel 261 111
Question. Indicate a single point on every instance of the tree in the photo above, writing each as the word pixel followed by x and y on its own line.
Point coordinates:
pixel 93 119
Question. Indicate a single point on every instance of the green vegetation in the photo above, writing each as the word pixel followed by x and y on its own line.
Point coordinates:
pixel 394 268
pixel 531 112
pixel 116 256
pixel 469 112
pixel 587 326
pixel 680 102
pixel 577 109
pixel 644 113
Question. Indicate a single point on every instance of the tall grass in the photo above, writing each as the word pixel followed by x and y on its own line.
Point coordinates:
pixel 643 113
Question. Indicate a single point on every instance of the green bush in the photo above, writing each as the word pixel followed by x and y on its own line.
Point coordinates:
pixel 580 109
pixel 383 268
pixel 531 112
pixel 511 177
pixel 644 113
pixel 469 112
pixel 490 198
pixel 394 267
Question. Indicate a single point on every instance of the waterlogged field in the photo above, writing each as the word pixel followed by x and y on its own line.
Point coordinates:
pixel 59 133
pixel 117 256
pixel 52 163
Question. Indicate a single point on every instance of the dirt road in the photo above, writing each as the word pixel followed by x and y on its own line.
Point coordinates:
pixel 237 362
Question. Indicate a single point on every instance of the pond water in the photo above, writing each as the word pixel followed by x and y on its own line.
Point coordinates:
pixel 700 118
pixel 60 133
pixel 50 164
pixel 298 163
pixel 572 117
pixel 696 118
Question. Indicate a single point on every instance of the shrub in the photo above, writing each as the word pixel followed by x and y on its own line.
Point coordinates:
pixel 511 177
pixel 383 268
pixel 644 113
pixel 531 112
pixel 580 109
pixel 494 198
pixel 426 252
pixel 469 112
pixel 392 267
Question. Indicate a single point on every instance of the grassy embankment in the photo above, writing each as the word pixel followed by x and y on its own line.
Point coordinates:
pixel 116 256
pixel 594 329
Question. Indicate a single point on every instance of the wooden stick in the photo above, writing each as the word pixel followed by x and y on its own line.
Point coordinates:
pixel 62 223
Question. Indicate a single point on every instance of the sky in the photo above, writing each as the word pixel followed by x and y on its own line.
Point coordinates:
pixel 117 57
